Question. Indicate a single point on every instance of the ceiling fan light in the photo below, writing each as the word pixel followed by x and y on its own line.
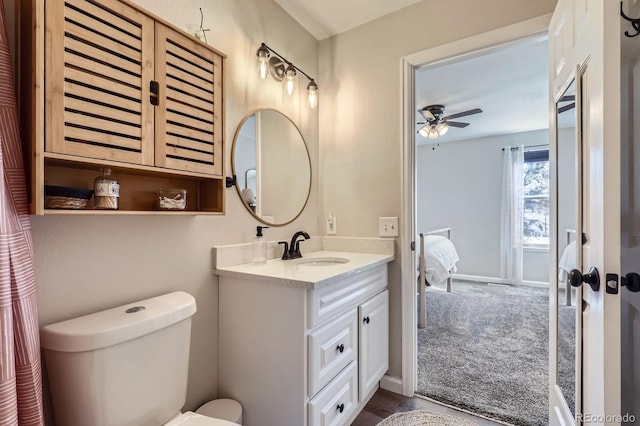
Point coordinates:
pixel 424 131
pixel 442 129
pixel 433 133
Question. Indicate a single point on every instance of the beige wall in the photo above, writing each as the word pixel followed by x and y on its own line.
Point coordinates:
pixel 360 135
pixel 85 264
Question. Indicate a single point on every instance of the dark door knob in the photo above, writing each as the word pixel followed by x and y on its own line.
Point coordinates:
pixel 576 278
pixel 632 282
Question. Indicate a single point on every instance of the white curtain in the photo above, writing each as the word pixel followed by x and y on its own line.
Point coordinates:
pixel 512 213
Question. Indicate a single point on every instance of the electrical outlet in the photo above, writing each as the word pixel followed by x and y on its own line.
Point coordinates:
pixel 332 225
pixel 388 227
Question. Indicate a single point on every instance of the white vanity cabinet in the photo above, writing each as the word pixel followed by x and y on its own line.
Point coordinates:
pixel 303 355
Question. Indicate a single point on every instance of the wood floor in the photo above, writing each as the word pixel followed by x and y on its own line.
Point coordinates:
pixel 385 403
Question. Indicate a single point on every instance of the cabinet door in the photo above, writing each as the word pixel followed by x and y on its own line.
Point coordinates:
pixel 189 112
pixel 98 64
pixel 374 342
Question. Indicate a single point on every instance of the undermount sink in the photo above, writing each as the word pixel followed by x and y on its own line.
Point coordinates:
pixel 321 261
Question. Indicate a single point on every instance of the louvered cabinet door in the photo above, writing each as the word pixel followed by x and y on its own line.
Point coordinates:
pixel 99 64
pixel 189 112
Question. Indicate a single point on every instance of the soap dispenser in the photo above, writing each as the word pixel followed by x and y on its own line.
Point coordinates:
pixel 260 246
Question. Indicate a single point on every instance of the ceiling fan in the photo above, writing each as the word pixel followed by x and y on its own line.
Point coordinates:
pixel 438 124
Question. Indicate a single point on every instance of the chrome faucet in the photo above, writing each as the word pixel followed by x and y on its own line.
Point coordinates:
pixel 292 250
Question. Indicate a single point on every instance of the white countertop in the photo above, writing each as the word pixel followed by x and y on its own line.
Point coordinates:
pixel 293 273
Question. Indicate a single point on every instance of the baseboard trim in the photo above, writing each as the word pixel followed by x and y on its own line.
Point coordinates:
pixel 464 277
pixel 392 384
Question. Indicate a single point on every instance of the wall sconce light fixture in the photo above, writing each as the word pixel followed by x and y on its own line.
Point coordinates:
pixel 280 69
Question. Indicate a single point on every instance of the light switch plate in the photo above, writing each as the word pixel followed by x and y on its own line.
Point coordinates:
pixel 332 225
pixel 389 227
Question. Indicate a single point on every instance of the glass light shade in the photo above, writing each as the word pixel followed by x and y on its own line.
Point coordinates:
pixel 424 131
pixel 312 87
pixel 263 57
pixel 263 69
pixel 442 129
pixel 290 77
pixel 433 133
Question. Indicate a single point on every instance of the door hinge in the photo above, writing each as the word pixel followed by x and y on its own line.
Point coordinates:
pixel 413 246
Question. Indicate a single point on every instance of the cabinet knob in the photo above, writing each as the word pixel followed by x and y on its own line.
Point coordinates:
pixel 365 320
pixel 340 348
pixel 340 407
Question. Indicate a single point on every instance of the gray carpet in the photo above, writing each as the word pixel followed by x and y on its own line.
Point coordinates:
pixel 485 350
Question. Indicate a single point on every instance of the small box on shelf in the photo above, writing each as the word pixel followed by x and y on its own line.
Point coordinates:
pixel 172 199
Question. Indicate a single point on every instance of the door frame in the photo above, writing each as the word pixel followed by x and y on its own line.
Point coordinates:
pixel 474 45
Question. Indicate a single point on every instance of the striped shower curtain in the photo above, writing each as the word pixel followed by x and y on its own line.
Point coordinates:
pixel 20 374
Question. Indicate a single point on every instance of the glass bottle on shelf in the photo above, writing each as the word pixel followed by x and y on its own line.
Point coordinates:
pixel 106 190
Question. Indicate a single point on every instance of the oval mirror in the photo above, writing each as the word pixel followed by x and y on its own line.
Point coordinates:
pixel 272 167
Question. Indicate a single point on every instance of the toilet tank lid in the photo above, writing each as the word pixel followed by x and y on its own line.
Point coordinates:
pixel 117 325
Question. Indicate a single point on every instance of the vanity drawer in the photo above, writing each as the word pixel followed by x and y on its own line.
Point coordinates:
pixel 331 348
pixel 335 404
pixel 338 297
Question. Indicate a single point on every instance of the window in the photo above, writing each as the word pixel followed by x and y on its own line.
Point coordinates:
pixel 536 199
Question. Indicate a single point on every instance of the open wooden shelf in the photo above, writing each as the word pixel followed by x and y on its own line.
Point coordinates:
pixel 138 187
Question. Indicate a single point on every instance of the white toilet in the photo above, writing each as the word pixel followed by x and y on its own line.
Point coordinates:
pixel 124 366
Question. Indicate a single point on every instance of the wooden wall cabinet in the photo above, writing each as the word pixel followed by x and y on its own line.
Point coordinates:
pixel 104 83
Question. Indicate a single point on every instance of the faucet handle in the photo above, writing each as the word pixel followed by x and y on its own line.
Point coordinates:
pixel 285 254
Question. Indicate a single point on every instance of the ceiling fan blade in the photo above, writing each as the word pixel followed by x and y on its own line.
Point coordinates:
pixel 566 108
pixel 427 114
pixel 567 98
pixel 463 114
pixel 456 124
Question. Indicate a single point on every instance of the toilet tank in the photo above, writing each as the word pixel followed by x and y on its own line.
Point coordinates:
pixel 123 366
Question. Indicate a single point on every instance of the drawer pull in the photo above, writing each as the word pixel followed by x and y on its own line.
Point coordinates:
pixel 340 407
pixel 340 348
pixel 365 320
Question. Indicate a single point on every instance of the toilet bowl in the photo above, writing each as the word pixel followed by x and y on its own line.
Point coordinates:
pixel 223 408
pixel 193 419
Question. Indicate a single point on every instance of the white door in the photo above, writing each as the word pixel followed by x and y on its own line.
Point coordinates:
pixel 589 34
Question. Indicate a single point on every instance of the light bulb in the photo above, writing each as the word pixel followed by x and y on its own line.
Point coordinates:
pixel 433 133
pixel 290 77
pixel 263 57
pixel 312 87
pixel 263 69
pixel 442 129
pixel 424 131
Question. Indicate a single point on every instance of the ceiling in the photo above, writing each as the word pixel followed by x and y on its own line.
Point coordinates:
pixel 510 84
pixel 327 18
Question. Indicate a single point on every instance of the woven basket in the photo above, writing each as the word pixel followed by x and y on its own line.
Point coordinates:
pixel 62 197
